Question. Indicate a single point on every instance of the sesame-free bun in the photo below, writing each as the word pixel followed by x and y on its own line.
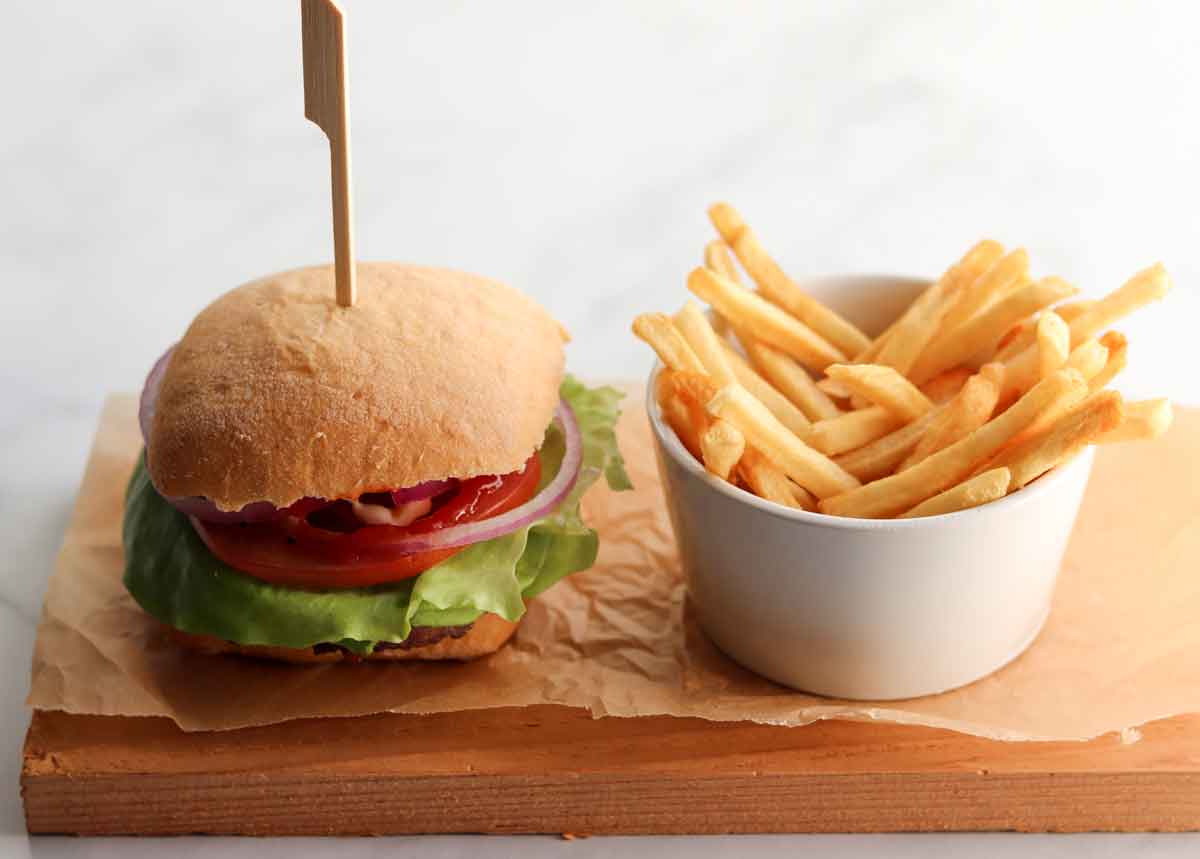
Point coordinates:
pixel 487 635
pixel 275 393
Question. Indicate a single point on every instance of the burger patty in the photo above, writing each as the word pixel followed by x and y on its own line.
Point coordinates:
pixel 421 636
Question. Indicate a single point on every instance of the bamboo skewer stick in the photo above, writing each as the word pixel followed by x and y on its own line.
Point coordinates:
pixel 323 37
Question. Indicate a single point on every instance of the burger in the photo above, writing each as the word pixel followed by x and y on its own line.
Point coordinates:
pixel 389 481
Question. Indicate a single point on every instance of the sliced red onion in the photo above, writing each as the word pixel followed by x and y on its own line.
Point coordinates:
pixel 149 400
pixel 421 491
pixel 519 517
pixel 205 510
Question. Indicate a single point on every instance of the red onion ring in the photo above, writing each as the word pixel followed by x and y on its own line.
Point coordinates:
pixel 149 400
pixel 205 510
pixel 421 491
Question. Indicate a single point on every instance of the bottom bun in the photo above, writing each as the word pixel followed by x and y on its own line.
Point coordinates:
pixel 487 635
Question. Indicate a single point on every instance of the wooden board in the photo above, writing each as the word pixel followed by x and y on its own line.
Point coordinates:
pixel 553 769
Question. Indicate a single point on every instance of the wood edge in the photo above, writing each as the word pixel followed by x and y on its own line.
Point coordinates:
pixel 969 797
pixel 611 805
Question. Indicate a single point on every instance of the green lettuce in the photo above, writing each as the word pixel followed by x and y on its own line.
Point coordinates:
pixel 175 578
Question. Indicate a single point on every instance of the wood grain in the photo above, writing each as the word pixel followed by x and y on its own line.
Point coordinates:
pixel 554 769
pixel 325 103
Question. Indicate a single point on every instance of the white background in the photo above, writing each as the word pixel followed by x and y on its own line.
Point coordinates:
pixel 153 155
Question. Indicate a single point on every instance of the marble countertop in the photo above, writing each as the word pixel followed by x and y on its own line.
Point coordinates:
pixel 155 154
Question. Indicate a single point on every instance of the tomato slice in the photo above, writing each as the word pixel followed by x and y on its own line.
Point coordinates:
pixel 295 553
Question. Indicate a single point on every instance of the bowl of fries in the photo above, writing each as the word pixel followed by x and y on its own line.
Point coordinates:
pixel 872 480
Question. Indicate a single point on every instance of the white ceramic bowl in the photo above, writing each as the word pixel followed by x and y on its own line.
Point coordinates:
pixel 861 608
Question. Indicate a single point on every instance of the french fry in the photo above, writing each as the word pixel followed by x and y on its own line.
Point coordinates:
pixel 1023 334
pixel 912 333
pixel 681 415
pixel 972 492
pixel 870 355
pixel 675 412
pixel 718 258
pixel 710 442
pixel 1089 358
pixel 1053 343
pixel 880 457
pixel 790 379
pixel 997 281
pixel 685 413
pixel 695 390
pixel 994 372
pixel 805 500
pixel 984 330
pixel 1117 346
pixel 780 288
pixel 745 309
pixel 696 387
pixel 810 469
pixel 1016 339
pixel 694 327
pixel 657 330
pixel 929 297
pixel 789 413
pixel 680 418
pixel 967 412
pixel 1146 286
pixel 833 388
pixel 851 430
pixel 1073 431
pixel 1072 310
pixel 883 386
pixel 721 446
pixel 1144 419
pixel 900 492
pixel 1049 415
pixel 663 388
pixel 767 481
pixel 942 387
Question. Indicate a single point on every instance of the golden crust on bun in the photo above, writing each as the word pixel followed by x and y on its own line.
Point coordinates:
pixel 275 393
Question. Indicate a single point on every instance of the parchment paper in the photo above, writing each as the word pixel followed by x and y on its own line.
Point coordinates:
pixel 1122 646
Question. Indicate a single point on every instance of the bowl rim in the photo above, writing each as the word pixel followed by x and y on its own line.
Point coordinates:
pixel 669 442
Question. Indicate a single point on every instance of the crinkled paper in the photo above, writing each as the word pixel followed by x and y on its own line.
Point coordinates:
pixel 1122 646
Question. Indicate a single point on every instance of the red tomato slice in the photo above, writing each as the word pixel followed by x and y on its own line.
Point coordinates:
pixel 295 553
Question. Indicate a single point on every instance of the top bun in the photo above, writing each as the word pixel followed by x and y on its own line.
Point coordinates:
pixel 275 393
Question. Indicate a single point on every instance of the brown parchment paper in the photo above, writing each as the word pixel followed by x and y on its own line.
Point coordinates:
pixel 1122 646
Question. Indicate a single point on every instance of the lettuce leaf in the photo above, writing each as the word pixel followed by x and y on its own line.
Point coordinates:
pixel 173 576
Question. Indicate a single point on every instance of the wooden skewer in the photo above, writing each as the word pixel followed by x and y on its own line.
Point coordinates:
pixel 324 40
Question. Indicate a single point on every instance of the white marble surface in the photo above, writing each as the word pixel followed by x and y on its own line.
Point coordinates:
pixel 154 155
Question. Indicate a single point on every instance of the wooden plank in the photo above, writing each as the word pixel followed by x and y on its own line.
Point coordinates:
pixel 554 769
